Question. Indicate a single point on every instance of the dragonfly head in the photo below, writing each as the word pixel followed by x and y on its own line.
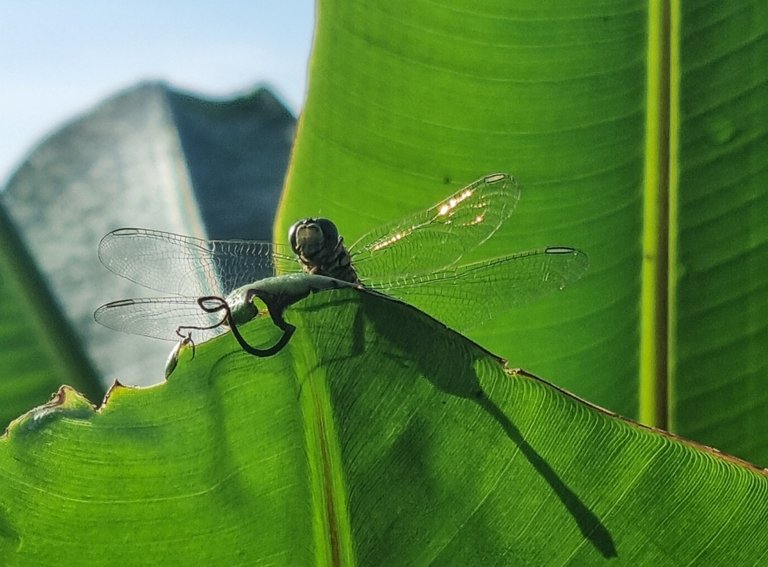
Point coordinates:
pixel 311 238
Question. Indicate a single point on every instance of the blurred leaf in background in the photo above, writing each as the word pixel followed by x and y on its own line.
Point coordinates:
pixel 149 156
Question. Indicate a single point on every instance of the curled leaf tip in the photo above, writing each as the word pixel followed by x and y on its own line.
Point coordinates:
pixel 66 402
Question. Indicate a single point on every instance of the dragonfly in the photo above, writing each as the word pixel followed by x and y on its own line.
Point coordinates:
pixel 213 284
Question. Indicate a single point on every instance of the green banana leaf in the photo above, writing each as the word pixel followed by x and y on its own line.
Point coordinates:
pixel 638 133
pixel 377 437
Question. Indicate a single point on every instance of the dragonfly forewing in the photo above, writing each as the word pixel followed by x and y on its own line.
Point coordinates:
pixel 415 259
pixel 440 235
pixel 187 266
pixel 161 317
pixel 463 297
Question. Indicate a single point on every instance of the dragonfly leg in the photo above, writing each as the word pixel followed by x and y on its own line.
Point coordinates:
pixel 186 339
pixel 185 331
pixel 220 304
pixel 263 352
pixel 173 357
pixel 276 304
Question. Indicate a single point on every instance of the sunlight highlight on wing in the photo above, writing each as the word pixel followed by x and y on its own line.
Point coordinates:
pixel 440 235
pixel 453 202
pixel 390 241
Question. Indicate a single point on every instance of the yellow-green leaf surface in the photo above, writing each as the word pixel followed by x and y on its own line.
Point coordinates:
pixel 377 437
pixel 638 133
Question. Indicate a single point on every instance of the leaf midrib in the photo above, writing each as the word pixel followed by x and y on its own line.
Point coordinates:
pixel 331 528
pixel 658 209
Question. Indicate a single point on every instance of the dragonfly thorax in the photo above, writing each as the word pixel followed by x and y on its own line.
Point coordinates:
pixel 321 250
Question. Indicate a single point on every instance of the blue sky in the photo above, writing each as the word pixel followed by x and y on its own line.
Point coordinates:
pixel 59 58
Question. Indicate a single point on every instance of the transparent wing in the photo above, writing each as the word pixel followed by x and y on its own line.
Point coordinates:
pixel 160 317
pixel 440 235
pixel 184 265
pixel 465 296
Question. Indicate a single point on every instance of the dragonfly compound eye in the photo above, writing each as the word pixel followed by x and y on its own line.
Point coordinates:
pixel 309 237
pixel 292 234
pixel 329 230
